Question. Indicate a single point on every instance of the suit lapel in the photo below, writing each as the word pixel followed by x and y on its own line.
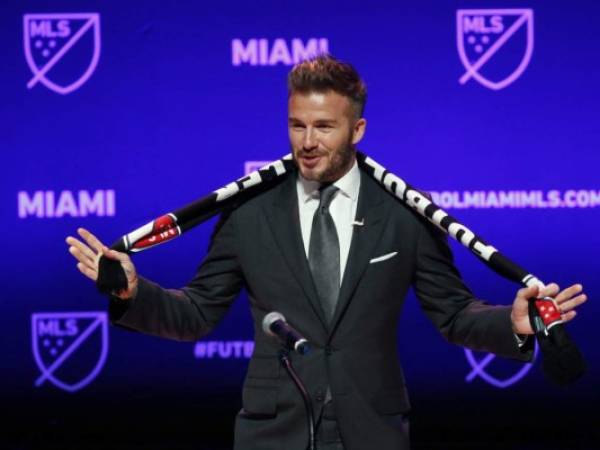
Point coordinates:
pixel 372 210
pixel 284 221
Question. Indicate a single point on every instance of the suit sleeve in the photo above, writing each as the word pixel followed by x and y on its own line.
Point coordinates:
pixel 447 301
pixel 191 312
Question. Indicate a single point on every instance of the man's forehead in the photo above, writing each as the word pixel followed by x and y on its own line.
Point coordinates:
pixel 329 102
pixel 318 97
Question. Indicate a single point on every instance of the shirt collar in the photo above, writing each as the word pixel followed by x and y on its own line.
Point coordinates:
pixel 348 185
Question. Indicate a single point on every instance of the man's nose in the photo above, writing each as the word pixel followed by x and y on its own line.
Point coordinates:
pixel 310 140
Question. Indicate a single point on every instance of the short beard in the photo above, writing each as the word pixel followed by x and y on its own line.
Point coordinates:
pixel 340 165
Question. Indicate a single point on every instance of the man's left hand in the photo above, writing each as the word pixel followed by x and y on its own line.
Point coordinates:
pixel 566 300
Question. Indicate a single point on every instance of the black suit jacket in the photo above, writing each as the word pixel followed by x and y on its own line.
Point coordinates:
pixel 259 245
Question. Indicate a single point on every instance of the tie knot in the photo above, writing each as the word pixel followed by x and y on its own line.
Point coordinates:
pixel 327 192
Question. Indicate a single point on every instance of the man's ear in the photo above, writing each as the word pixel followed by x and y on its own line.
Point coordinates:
pixel 358 131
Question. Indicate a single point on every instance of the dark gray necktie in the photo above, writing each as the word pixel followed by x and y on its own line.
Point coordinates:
pixel 324 253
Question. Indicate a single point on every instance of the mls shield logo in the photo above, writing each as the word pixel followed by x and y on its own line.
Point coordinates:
pixel 500 375
pixel 69 348
pixel 494 45
pixel 62 50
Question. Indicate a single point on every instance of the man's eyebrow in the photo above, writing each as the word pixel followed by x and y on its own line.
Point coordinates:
pixel 317 122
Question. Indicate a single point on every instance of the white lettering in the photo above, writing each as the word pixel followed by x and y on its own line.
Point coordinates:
pixel 248 349
pixel 53 328
pixel 263 48
pixel 554 199
pixel 466 237
pixel 109 202
pixel 417 200
pixel 258 51
pixel 227 191
pixel 486 251
pixel 492 200
pixel 243 54
pixel 391 179
pixel 510 199
pixel 472 24
pixel 312 48
pixel 82 203
pixel 50 204
pixel 211 349
pixel 63 28
pixel 223 349
pixel 583 199
pixel 497 25
pixel 30 206
pixel 66 205
pixel 44 28
pixel 476 24
pixel 39 28
pixel 594 198
pixel 89 204
pixel 280 53
pixel 506 199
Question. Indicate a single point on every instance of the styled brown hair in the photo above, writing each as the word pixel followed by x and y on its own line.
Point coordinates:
pixel 325 73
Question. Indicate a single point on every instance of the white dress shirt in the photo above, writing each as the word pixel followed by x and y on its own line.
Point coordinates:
pixel 342 209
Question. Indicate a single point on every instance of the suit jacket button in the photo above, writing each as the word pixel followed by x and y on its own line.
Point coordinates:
pixel 328 350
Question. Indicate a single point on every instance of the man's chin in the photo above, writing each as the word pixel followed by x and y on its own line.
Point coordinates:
pixel 311 174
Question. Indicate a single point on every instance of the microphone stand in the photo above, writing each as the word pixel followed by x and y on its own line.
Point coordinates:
pixel 310 418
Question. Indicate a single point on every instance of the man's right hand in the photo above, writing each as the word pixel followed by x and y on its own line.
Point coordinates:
pixel 88 254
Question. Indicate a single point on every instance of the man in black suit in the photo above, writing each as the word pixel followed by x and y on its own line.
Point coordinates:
pixel 335 254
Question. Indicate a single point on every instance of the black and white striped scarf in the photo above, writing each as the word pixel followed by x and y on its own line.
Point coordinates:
pixel 549 329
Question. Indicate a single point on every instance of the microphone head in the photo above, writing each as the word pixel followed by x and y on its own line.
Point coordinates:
pixel 302 346
pixel 269 319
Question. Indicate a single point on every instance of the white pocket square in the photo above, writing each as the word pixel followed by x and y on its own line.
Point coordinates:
pixel 383 257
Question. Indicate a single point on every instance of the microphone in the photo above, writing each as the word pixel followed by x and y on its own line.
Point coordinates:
pixel 274 324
